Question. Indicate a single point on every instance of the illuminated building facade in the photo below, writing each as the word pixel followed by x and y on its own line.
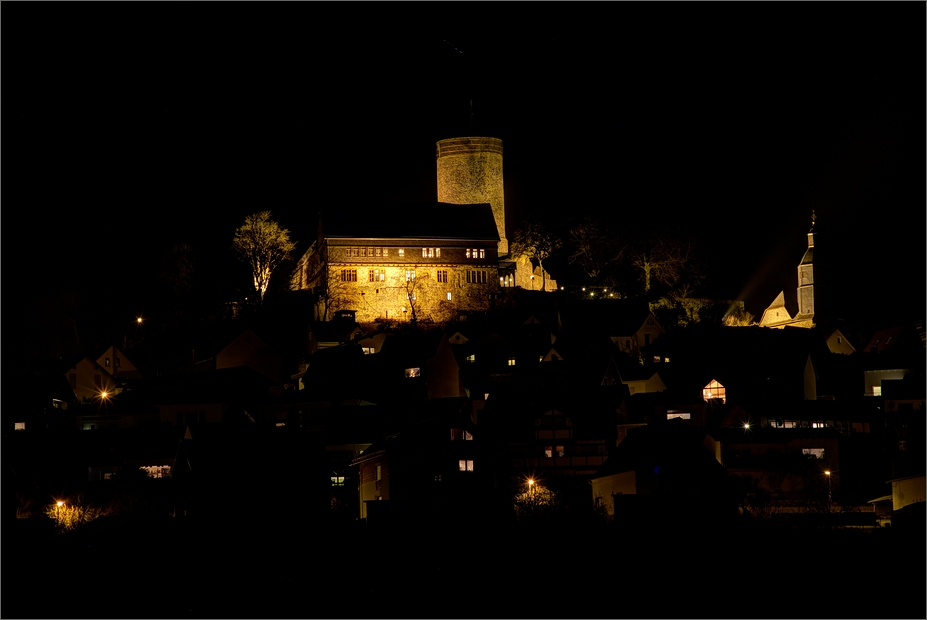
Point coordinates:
pixel 426 262
pixel 430 263
pixel 777 314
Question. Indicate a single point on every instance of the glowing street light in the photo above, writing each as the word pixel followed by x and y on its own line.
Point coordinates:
pixel 827 473
pixel 58 506
pixel 139 320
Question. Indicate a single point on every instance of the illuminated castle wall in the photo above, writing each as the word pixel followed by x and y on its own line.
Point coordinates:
pixel 437 259
pixel 470 172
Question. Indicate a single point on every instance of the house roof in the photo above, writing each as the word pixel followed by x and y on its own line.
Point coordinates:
pixel 613 317
pixel 412 220
pixel 672 445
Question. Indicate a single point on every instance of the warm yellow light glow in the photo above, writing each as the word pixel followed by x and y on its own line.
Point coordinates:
pixel 60 504
pixel 138 320
pixel 530 482
pixel 104 394
pixel 746 425
pixel 826 472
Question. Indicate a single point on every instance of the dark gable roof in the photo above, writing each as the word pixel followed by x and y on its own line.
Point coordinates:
pixel 413 220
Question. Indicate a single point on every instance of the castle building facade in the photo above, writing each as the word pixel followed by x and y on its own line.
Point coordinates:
pixel 438 260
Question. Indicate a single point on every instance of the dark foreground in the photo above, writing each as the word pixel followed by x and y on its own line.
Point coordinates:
pixel 162 570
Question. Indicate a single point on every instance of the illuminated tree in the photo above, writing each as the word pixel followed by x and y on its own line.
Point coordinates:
pixel 535 241
pixel 262 244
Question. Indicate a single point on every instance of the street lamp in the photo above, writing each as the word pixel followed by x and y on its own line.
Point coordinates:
pixel 58 506
pixel 827 473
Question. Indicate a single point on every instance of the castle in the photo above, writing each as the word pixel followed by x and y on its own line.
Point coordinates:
pixel 429 262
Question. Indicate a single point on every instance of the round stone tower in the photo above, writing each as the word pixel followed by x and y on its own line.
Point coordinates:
pixel 470 172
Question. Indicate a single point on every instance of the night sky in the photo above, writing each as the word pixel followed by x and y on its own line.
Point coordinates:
pixel 128 127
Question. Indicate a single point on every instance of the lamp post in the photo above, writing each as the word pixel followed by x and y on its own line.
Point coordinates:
pixel 829 504
pixel 58 506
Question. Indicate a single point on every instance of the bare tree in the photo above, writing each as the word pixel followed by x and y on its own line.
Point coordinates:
pixel 535 241
pixel 668 259
pixel 594 246
pixel 262 244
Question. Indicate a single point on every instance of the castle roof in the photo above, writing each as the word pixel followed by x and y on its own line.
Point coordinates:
pixel 413 220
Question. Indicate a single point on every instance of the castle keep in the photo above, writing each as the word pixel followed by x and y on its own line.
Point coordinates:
pixel 470 172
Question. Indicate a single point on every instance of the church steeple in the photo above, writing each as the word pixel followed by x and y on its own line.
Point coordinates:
pixel 806 277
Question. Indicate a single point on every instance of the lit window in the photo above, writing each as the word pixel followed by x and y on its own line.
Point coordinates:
pixel 656 359
pixel 410 275
pixel 511 361
pixel 337 481
pixel 442 276
pixel 412 296
pixel 469 252
pixel 402 252
pixel 876 390
pixel 666 360
pixel 413 372
pixel 682 415
pixel 438 252
pixel 368 350
pixel 714 390
pixel 476 276
pixel 106 362
pixel 156 471
pixel 465 465
pixel 349 275
pixel 819 424
pixel 377 275
pixel 471 358
pixel 19 426
pixel 482 253
pixel 813 453
pixel 448 295
pixel 428 252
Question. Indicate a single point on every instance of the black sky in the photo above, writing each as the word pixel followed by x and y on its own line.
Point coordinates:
pixel 128 126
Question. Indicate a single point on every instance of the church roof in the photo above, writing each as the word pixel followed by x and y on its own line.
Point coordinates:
pixel 413 220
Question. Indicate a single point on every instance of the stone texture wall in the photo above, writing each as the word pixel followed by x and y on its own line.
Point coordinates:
pixel 392 296
pixel 470 172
